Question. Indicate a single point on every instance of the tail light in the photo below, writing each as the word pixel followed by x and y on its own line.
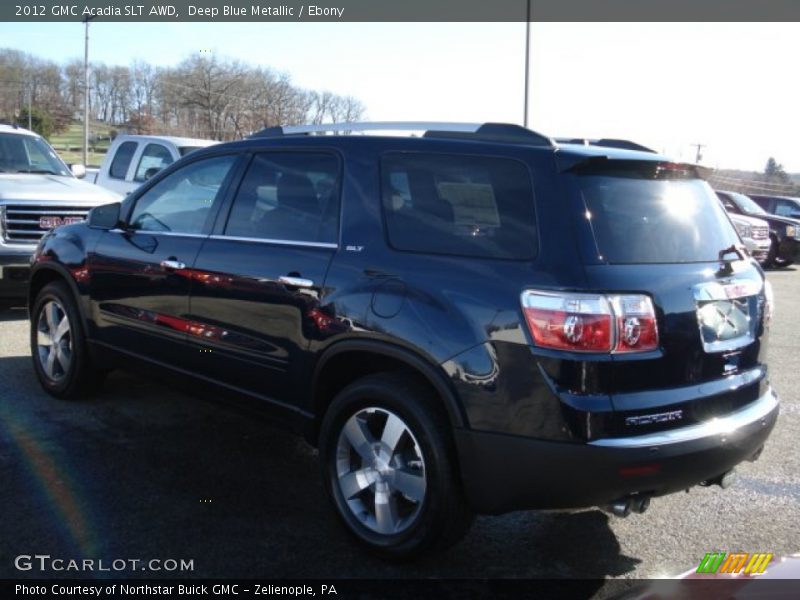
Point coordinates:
pixel 591 322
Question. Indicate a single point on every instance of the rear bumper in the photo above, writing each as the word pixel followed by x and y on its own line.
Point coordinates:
pixel 502 473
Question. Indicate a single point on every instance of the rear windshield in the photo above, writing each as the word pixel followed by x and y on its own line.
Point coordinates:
pixel 460 205
pixel 659 217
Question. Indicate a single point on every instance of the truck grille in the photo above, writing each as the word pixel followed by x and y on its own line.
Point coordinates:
pixel 27 223
pixel 760 232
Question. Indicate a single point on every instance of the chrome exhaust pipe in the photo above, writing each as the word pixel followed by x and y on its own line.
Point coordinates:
pixel 640 504
pixel 625 506
pixel 620 508
pixel 725 480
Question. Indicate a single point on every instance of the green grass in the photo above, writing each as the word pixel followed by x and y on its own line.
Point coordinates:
pixel 69 144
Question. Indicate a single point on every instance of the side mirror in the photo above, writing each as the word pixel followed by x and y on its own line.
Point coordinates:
pixel 105 216
pixel 78 170
pixel 150 172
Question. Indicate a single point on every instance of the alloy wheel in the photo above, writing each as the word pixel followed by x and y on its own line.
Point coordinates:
pixel 381 470
pixel 54 341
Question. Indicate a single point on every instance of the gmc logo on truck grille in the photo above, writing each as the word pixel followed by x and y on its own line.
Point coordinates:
pixel 49 222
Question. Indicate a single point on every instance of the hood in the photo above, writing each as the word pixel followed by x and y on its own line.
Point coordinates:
pixel 750 220
pixel 33 187
pixel 770 218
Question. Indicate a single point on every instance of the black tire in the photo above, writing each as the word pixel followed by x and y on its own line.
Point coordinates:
pixel 773 260
pixel 442 516
pixel 78 379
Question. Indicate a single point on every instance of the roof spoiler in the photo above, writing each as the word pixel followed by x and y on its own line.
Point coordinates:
pixel 599 164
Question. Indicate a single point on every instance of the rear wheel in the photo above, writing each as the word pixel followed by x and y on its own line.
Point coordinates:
pixel 390 469
pixel 58 347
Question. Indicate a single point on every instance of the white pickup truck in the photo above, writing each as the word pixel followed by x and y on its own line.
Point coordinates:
pixel 37 192
pixel 133 159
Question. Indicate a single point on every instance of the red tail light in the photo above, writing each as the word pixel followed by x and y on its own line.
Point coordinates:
pixel 636 323
pixel 591 322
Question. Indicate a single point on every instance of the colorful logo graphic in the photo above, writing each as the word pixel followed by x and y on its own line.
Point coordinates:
pixel 735 562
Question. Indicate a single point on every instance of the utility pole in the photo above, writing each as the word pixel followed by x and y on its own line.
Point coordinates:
pixel 86 92
pixel 30 102
pixel 698 154
pixel 527 58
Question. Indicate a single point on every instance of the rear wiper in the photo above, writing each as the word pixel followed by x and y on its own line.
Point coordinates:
pixel 726 267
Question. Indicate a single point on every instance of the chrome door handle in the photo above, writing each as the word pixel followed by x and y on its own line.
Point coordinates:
pixel 299 282
pixel 172 264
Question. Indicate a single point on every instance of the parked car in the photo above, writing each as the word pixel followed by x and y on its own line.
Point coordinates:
pixel 37 192
pixel 474 320
pixel 783 206
pixel 754 234
pixel 132 159
pixel 783 231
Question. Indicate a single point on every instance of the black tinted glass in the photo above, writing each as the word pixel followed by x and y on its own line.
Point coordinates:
pixel 182 201
pixel 122 160
pixel 288 196
pixel 461 205
pixel 639 219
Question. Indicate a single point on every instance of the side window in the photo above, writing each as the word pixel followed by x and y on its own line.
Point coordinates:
pixel 288 196
pixel 728 204
pixel 122 160
pixel 787 208
pixel 155 156
pixel 461 205
pixel 180 203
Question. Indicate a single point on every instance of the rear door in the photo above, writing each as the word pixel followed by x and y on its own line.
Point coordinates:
pixel 258 280
pixel 141 275
pixel 658 230
pixel 153 158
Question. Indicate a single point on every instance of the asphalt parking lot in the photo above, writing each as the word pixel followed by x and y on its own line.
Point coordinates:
pixel 145 471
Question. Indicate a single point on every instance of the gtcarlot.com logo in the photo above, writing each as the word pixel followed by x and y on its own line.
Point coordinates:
pixel 46 563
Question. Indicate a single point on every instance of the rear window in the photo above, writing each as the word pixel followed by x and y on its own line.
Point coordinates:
pixel 656 217
pixel 122 160
pixel 184 150
pixel 459 205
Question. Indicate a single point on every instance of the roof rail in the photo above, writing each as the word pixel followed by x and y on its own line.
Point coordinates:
pixel 606 143
pixel 496 132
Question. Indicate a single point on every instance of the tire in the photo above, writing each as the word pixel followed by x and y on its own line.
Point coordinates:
pixel 58 345
pixel 769 262
pixel 773 260
pixel 403 444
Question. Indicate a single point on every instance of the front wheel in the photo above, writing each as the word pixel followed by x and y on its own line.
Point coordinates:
pixel 389 467
pixel 773 260
pixel 58 347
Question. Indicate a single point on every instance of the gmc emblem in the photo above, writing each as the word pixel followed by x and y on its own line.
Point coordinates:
pixel 52 222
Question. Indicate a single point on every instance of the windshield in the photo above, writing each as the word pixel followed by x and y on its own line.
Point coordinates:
pixel 659 219
pixel 21 153
pixel 747 205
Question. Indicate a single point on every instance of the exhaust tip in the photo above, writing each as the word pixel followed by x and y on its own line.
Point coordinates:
pixel 727 479
pixel 620 508
pixel 625 506
pixel 641 504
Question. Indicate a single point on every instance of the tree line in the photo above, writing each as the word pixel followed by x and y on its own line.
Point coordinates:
pixel 204 96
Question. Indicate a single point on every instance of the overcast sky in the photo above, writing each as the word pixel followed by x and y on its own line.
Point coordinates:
pixel 732 87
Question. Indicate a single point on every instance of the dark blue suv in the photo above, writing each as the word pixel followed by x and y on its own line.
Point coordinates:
pixel 471 320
